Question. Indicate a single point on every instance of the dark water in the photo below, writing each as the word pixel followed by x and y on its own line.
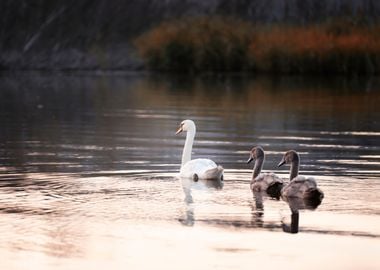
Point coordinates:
pixel 88 166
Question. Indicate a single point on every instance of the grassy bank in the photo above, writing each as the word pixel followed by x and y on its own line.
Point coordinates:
pixel 197 44
pixel 225 44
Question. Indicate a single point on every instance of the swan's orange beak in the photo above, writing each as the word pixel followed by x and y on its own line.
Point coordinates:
pixel 179 130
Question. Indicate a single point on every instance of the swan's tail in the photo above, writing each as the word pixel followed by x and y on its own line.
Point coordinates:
pixel 313 197
pixel 274 190
pixel 214 173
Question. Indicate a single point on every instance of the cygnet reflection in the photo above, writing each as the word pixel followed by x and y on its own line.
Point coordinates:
pixel 296 204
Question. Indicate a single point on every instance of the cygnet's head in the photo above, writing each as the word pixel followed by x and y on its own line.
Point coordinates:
pixel 289 157
pixel 257 152
pixel 186 125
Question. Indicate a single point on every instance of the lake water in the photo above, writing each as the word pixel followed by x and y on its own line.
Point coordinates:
pixel 88 166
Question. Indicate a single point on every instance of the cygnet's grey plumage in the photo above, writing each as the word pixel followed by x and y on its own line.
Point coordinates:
pixel 263 182
pixel 299 186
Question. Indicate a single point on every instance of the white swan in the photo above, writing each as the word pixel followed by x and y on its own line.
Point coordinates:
pixel 199 168
pixel 299 186
pixel 263 182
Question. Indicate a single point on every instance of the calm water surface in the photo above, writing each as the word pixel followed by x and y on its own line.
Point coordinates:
pixel 88 166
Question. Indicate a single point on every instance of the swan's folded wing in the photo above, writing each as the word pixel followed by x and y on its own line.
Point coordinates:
pixel 214 173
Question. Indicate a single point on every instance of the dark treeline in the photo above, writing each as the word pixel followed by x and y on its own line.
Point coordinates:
pixel 92 34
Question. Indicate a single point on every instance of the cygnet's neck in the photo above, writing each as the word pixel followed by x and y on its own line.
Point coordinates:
pixel 186 154
pixel 258 166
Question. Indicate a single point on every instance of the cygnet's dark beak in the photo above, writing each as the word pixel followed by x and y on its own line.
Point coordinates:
pixel 249 160
pixel 282 162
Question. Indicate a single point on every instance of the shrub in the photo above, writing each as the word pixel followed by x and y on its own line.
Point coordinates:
pixel 316 49
pixel 197 44
pixel 226 44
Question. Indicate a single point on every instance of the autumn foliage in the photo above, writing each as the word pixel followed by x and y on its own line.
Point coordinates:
pixel 220 44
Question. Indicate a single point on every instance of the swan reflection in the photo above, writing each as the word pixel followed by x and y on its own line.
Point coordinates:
pixel 188 185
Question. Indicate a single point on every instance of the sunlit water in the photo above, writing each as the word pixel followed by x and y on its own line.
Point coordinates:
pixel 88 166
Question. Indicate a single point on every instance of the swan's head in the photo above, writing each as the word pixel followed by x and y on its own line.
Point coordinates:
pixel 186 125
pixel 257 152
pixel 289 157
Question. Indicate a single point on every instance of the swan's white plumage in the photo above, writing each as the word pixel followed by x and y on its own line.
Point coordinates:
pixel 200 168
pixel 197 166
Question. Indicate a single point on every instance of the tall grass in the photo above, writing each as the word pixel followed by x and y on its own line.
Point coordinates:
pixel 202 44
pixel 217 44
pixel 317 49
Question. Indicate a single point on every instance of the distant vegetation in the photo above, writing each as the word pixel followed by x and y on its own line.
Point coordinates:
pixel 220 44
pixel 198 44
pixel 98 34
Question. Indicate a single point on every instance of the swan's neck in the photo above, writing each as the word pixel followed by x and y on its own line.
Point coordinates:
pixel 257 168
pixel 186 155
pixel 294 169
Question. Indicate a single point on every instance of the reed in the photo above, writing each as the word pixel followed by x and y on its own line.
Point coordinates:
pixel 317 49
pixel 226 44
pixel 198 44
